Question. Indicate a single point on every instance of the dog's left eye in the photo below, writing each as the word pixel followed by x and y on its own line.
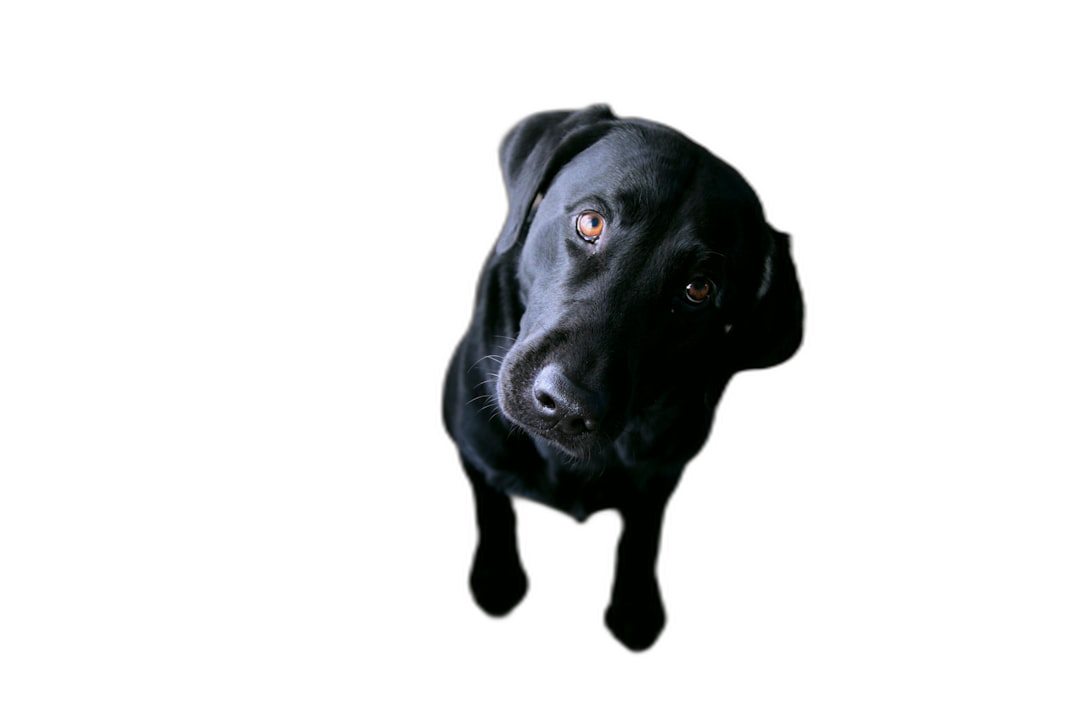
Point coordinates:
pixel 699 290
pixel 589 225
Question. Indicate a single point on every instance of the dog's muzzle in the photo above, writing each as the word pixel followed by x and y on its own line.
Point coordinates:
pixel 552 406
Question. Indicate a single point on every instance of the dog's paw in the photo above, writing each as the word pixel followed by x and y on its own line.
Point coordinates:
pixel 498 581
pixel 636 617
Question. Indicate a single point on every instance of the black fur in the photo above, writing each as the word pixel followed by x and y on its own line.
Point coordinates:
pixel 591 370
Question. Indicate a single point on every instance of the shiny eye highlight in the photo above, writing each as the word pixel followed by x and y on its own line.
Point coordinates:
pixel 590 225
pixel 699 290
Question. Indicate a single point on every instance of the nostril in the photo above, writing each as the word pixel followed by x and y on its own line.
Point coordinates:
pixel 576 424
pixel 544 400
pixel 549 401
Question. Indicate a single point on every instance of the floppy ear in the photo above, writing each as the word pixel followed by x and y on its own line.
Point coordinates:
pixel 773 329
pixel 535 150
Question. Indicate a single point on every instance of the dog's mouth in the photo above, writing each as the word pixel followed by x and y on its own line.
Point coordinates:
pixel 567 434
pixel 580 446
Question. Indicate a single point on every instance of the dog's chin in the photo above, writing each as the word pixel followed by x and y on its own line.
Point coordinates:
pixel 583 447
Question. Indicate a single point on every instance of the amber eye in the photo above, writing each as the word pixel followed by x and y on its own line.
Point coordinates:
pixel 590 225
pixel 699 290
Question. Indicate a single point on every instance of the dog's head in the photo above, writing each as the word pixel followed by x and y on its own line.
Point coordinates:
pixel 647 273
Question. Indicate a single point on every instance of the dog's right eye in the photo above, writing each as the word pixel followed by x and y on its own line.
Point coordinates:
pixel 590 225
pixel 699 290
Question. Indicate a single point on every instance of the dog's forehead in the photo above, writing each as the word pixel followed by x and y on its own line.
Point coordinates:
pixel 650 164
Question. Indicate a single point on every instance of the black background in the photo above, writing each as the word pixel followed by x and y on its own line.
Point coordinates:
pixel 808 529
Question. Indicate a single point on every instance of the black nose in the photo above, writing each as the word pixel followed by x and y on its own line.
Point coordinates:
pixel 570 408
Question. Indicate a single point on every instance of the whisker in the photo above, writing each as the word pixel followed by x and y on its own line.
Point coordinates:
pixel 492 378
pixel 497 359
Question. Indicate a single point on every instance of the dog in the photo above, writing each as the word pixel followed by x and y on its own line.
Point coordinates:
pixel 634 276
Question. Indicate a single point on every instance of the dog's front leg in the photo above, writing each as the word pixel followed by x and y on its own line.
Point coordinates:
pixel 497 580
pixel 636 613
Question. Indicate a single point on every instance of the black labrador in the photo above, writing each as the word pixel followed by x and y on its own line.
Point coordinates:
pixel 634 276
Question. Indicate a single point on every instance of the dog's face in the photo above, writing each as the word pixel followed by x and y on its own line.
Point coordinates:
pixel 641 257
